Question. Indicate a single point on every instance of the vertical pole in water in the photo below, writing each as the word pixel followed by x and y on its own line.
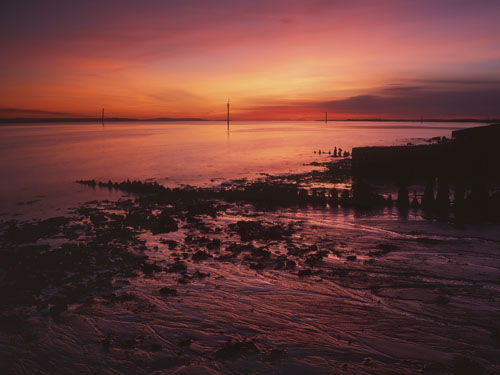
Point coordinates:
pixel 228 114
pixel 326 117
pixel 102 118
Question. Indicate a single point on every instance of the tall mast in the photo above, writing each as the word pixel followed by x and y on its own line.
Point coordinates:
pixel 102 118
pixel 326 117
pixel 227 114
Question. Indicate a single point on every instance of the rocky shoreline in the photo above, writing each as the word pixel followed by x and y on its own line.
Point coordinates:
pixel 157 249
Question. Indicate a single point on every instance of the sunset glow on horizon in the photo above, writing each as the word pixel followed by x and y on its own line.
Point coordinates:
pixel 273 59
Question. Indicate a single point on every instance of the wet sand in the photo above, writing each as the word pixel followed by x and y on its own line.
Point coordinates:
pixel 196 282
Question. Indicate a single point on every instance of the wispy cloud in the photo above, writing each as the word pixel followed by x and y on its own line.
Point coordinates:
pixel 421 102
pixel 411 101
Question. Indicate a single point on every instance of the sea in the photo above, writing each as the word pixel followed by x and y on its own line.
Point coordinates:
pixel 40 162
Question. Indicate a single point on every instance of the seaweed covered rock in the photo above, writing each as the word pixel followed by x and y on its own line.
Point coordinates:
pixel 256 230
pixel 233 349
pixel 168 292
pixel 163 223
pixel 33 231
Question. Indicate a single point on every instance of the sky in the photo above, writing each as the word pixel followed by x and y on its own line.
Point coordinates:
pixel 274 59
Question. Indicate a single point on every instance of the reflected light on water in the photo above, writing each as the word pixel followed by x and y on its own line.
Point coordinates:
pixel 40 162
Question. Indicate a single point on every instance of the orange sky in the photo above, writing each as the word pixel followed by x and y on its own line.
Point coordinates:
pixel 274 59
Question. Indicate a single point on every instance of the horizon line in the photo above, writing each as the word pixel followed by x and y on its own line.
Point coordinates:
pixel 6 120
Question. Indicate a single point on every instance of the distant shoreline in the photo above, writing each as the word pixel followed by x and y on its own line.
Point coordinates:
pixel 24 120
pixel 492 120
pixel 99 120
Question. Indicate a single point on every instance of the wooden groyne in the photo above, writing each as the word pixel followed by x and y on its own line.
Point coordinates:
pixel 472 153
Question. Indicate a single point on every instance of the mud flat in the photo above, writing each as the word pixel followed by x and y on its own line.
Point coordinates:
pixel 292 274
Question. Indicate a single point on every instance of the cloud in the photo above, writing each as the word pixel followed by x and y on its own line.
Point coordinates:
pixel 398 100
pixel 463 82
pixel 400 89
pixel 425 102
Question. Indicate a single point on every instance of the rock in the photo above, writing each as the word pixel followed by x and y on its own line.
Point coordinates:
pixel 185 342
pixel 274 355
pixel 238 248
pixel 255 230
pixel 382 249
pixel 177 267
pixel 149 268
pixel 305 272
pixel 200 255
pixel 214 244
pixel 163 223
pixel 315 258
pixel 168 292
pixel 171 243
pixel 200 275
pixel 257 266
pixel 58 308
pixel 155 347
pixel 466 366
pixel 234 349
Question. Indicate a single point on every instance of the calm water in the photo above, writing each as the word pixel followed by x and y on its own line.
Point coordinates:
pixel 40 162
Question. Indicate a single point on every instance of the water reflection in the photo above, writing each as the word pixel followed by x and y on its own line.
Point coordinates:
pixel 45 159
